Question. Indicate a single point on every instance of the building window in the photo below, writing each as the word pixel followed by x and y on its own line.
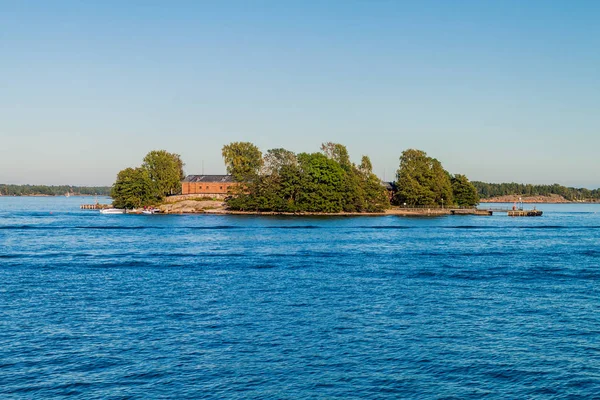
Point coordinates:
pixel 207 187
pixel 221 187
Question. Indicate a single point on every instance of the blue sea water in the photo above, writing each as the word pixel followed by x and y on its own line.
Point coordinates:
pixel 96 306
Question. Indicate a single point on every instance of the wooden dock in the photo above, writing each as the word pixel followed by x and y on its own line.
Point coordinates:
pixel 525 213
pixel 470 211
pixel 96 206
pixel 513 212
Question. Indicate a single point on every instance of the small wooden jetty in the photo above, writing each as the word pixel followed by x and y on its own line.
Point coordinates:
pixel 96 206
pixel 525 213
pixel 513 212
pixel 433 211
pixel 470 211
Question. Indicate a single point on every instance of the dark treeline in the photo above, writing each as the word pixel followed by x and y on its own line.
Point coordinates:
pixel 283 181
pixel 487 190
pixel 44 190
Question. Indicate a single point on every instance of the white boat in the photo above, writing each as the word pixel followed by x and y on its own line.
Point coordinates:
pixel 112 211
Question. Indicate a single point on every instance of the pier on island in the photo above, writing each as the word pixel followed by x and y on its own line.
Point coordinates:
pixel 513 211
pixel 96 206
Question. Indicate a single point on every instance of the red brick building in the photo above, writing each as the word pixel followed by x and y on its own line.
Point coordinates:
pixel 207 185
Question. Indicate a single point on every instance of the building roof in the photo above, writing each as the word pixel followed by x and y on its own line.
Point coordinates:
pixel 389 185
pixel 209 178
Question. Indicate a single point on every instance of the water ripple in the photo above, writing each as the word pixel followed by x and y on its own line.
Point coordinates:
pixel 300 307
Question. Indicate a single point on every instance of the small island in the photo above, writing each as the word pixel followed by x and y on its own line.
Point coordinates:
pixel 320 183
pixel 326 182
pixel 283 182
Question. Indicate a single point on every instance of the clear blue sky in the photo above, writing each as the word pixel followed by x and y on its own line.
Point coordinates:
pixel 497 90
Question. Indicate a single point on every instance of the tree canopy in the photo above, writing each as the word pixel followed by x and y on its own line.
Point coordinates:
pixel 159 175
pixel 133 188
pixel 311 182
pixel 243 160
pixel 166 172
pixel 465 193
pixel 421 180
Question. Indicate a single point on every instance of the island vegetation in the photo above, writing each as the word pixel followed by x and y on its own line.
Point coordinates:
pixel 329 182
pixel 422 181
pixel 283 181
pixel 159 175
pixel 286 182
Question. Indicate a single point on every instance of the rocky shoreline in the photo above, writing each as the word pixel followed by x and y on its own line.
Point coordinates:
pixel 216 207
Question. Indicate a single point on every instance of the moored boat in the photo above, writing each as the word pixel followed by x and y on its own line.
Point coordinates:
pixel 112 211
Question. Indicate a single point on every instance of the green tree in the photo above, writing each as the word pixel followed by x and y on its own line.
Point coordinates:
pixel 133 188
pixel 421 180
pixel 337 152
pixel 441 183
pixel 365 165
pixel 351 185
pixel 243 160
pixel 414 179
pixel 320 184
pixel 166 172
pixel 276 159
pixel 465 193
pixel 374 193
pixel 280 181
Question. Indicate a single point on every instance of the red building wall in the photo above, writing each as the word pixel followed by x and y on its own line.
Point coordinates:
pixel 205 187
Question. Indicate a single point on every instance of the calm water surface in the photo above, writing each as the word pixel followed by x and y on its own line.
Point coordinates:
pixel 198 306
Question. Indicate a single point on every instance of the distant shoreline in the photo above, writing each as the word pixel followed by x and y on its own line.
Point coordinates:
pixel 52 195
pixel 550 199
pixel 488 201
